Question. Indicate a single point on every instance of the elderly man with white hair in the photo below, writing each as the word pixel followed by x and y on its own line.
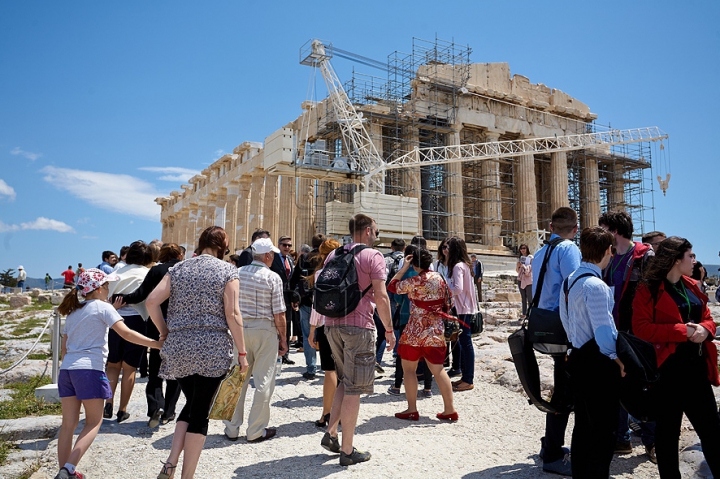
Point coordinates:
pixel 263 311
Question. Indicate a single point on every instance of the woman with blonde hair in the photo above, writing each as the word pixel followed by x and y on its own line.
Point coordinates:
pixel 318 340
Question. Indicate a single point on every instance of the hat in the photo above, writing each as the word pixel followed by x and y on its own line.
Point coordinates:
pixel 92 278
pixel 20 267
pixel 264 245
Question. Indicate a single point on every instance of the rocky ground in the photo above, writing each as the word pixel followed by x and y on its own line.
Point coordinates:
pixel 498 432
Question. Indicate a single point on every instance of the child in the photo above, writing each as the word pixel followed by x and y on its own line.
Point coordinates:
pixel 82 377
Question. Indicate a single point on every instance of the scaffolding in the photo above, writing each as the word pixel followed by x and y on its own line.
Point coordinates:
pixel 415 105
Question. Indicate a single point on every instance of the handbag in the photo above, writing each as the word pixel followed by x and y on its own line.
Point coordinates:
pixel 544 328
pixel 227 395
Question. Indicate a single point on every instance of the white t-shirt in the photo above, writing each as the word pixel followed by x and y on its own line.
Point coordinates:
pixel 87 335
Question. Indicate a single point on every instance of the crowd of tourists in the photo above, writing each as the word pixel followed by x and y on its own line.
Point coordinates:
pixel 186 321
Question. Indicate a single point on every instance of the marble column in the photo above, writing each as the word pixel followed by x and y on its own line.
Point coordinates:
pixel 180 226
pixel 455 205
pixel 232 191
pixel 492 205
pixel 592 194
pixel 527 194
pixel 305 222
pixel 287 210
pixel 558 180
pixel 270 211
pixel 242 229
pixel 192 224
pixel 412 178
pixel 618 188
pixel 257 201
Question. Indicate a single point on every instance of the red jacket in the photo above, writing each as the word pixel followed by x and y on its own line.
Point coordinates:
pixel 662 325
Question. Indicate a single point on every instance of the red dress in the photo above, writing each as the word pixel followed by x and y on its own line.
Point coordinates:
pixel 425 329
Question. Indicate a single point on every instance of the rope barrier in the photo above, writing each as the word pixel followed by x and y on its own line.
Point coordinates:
pixel 31 349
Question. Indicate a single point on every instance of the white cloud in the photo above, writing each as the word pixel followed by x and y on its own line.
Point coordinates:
pixel 114 192
pixel 7 190
pixel 175 174
pixel 27 154
pixel 41 223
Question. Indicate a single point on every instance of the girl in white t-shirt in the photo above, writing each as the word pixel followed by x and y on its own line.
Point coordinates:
pixel 82 379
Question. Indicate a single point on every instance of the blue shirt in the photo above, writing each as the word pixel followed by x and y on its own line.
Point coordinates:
pixel 588 312
pixel 105 267
pixel 564 259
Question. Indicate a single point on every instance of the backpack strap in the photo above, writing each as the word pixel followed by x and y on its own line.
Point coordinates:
pixel 551 246
pixel 567 289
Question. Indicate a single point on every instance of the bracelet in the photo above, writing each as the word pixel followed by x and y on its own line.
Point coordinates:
pixel 242 354
pixel 390 332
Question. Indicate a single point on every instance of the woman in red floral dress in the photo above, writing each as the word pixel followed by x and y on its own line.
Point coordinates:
pixel 423 336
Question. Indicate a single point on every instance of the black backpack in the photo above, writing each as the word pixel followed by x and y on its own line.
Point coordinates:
pixel 392 264
pixel 337 293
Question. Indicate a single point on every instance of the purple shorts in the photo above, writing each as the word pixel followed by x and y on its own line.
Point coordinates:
pixel 84 384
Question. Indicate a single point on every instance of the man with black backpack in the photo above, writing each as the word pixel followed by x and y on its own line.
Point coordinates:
pixel 564 258
pixel 347 291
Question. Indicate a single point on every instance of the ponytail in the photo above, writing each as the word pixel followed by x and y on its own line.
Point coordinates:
pixel 70 303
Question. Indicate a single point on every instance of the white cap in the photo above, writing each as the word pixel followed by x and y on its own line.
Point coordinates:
pixel 263 245
pixel 20 267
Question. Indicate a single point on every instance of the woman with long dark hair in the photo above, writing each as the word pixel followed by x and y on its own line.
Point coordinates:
pixel 423 336
pixel 670 311
pixel 462 285
pixel 203 322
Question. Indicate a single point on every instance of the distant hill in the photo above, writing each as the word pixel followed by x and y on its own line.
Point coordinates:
pixel 712 269
pixel 40 283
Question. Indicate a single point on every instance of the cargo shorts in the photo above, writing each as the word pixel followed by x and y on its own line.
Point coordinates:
pixel 353 350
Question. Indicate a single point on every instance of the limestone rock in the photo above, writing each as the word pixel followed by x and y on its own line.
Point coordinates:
pixel 44 298
pixel 35 292
pixel 57 298
pixel 19 301
pixel 41 427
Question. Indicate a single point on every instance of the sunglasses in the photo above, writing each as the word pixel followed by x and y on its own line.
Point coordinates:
pixel 445 247
pixel 286 245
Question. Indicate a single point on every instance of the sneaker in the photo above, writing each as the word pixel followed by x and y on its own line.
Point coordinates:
pixel 107 412
pixel 453 373
pixel 394 391
pixel 379 369
pixel 330 443
pixel 309 376
pixel 155 419
pixel 561 466
pixel 650 451
pixel 166 419
pixel 354 457
pixel 566 450
pixel 65 474
pixel 622 447
pixel 122 416
pixel 426 393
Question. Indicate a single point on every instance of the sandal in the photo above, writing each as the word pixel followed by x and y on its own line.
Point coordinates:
pixel 324 421
pixel 168 471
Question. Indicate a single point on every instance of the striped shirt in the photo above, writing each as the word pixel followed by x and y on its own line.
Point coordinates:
pixel 261 292
pixel 588 313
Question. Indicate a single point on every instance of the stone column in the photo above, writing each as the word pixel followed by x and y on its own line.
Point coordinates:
pixel 287 209
pixel 232 191
pixel 527 195
pixel 257 201
pixel 492 206
pixel 219 204
pixel 242 230
pixel 305 222
pixel 618 188
pixel 592 194
pixel 455 206
pixel 192 235
pixel 558 180
pixel 202 218
pixel 180 226
pixel 270 212
pixel 412 178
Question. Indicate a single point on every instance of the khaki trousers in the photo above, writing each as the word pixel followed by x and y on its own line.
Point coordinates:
pixel 261 345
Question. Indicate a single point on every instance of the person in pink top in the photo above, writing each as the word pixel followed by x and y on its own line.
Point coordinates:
pixel 352 340
pixel 461 282
pixel 524 278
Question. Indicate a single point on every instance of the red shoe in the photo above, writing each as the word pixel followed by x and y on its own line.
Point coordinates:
pixel 411 416
pixel 448 417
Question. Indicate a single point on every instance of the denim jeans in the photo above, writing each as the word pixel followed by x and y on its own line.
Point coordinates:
pixel 467 352
pixel 310 353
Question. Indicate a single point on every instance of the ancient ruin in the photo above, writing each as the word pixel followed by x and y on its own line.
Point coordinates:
pixel 441 146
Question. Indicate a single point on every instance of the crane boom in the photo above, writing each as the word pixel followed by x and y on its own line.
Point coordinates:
pixel 362 154
pixel 440 155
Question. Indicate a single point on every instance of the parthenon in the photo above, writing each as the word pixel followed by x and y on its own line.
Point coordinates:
pixel 432 97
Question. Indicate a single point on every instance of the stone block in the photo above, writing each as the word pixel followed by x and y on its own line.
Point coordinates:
pixel 35 292
pixel 49 393
pixel 19 301
pixel 57 298
pixel 44 298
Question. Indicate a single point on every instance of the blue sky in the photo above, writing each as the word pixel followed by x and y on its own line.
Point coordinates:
pixel 106 105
